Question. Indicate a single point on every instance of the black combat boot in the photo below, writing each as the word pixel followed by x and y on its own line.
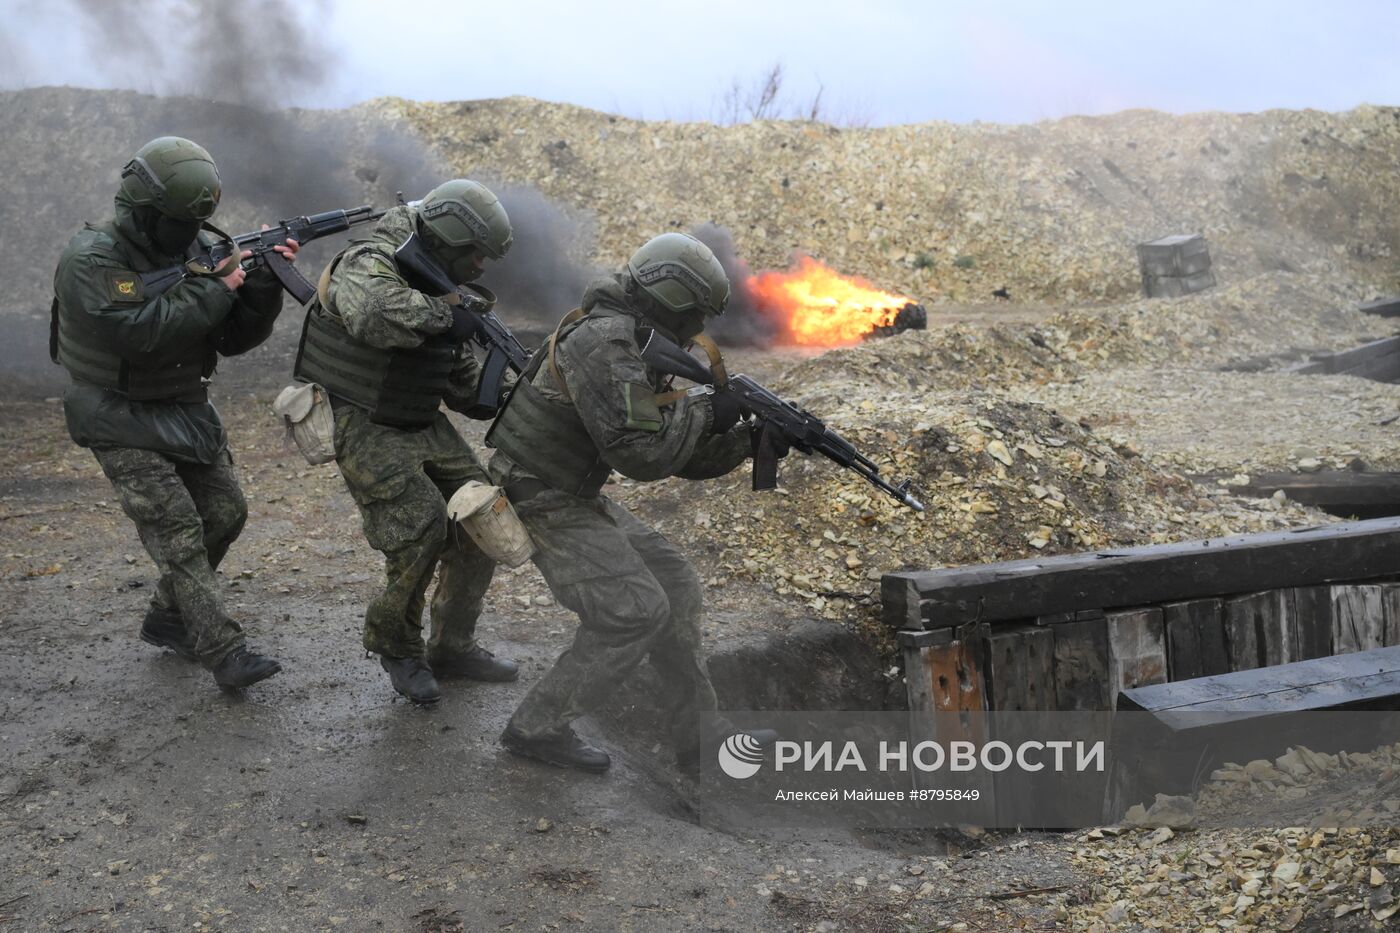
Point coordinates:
pixel 476 664
pixel 243 667
pixel 563 749
pixel 413 679
pixel 166 629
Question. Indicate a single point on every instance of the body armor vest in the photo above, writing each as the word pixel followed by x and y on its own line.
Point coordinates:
pixel 548 438
pixel 175 376
pixel 401 388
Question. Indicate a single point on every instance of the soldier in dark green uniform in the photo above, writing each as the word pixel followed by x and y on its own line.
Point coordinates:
pixel 389 355
pixel 587 406
pixel 140 365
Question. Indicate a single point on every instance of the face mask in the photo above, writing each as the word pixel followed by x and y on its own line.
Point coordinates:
pixel 683 326
pixel 169 235
pixel 462 268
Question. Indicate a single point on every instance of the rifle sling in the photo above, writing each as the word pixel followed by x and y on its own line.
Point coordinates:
pixel 558 376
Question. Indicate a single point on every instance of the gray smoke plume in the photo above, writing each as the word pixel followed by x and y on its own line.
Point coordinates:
pixel 743 322
pixel 244 61
pixel 544 275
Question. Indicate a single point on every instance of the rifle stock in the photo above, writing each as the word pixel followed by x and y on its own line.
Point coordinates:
pixel 472 307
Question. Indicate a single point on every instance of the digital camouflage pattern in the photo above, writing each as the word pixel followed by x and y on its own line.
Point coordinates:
pixel 401 479
pixel 636 595
pixel 378 306
pixel 614 391
pixel 187 514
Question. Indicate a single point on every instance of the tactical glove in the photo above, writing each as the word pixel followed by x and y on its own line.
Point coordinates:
pixel 464 325
pixel 727 411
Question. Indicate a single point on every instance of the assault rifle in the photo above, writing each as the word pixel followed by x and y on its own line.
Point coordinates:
pixel 211 260
pixel 471 308
pixel 779 422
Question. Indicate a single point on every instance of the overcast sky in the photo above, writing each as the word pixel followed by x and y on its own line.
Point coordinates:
pixel 878 61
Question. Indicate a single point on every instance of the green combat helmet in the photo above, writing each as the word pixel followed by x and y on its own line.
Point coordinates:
pixel 461 219
pixel 681 275
pixel 176 177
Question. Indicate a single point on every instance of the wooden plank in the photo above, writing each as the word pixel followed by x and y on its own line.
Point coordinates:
pixel 899 602
pixel 1148 575
pixel 1137 650
pixel 1390 600
pixel 1020 669
pixel 945 678
pixel 1312 621
pixel 947 702
pixel 1358 618
pixel 923 638
pixel 1060 618
pixel 1195 633
pixel 1341 492
pixel 1384 307
pixel 1340 681
pixel 1081 666
pixel 1242 630
pixel 1275 628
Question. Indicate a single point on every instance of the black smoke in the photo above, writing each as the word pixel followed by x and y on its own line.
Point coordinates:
pixel 222 73
pixel 743 322
pixel 543 276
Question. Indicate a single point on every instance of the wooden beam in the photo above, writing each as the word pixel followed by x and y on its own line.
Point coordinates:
pixel 1358 619
pixel 1137 650
pixel 1312 621
pixel 1338 682
pixel 1195 632
pixel 1259 629
pixel 1081 666
pixel 1341 492
pixel 1385 307
pixel 1020 668
pixel 1390 599
pixel 1147 575
pixel 1378 359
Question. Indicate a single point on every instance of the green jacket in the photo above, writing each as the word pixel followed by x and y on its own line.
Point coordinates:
pixel 197 318
pixel 613 394
pixel 378 307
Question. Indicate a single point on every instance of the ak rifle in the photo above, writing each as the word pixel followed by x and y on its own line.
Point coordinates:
pixel 213 259
pixel 779 423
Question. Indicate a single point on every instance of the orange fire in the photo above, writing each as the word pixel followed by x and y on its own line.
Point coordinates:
pixel 819 307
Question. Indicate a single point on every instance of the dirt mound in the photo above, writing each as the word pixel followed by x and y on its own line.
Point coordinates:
pixel 1050 211
pixel 1001 479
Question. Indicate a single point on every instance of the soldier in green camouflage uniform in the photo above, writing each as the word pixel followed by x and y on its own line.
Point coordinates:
pixel 140 363
pixel 586 409
pixel 388 354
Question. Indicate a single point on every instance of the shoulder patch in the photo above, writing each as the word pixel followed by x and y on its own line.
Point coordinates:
pixel 643 414
pixel 123 285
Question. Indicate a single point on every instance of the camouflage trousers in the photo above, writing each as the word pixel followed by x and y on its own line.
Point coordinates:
pixel 637 597
pixel 401 480
pixel 187 515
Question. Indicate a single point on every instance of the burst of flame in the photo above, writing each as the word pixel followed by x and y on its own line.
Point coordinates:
pixel 819 307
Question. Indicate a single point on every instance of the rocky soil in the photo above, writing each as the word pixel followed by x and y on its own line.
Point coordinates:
pixel 133 796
